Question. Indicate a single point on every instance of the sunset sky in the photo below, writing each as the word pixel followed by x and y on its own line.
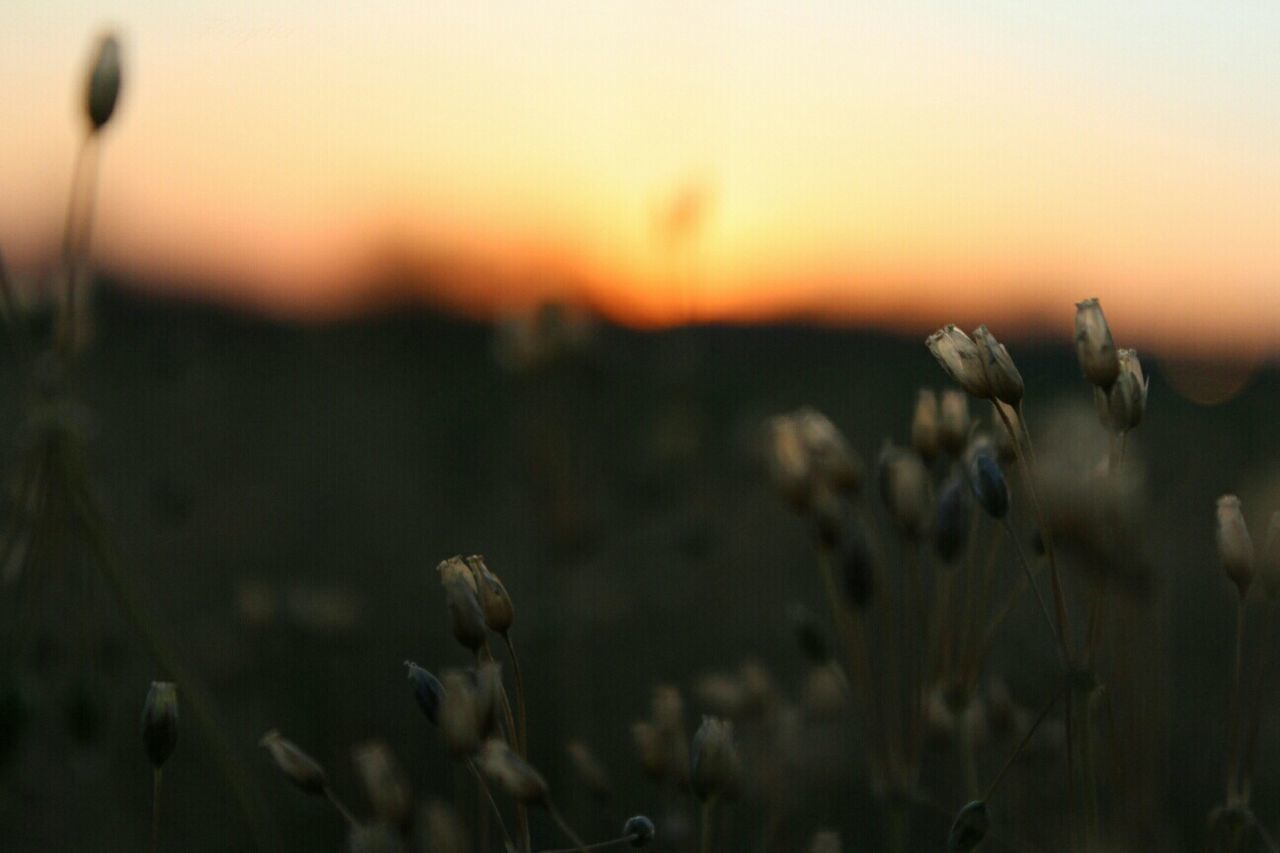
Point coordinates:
pixel 896 163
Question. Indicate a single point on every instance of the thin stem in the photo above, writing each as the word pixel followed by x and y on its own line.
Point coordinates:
pixel 493 804
pixel 342 809
pixel 75 234
pixel 155 810
pixel 1233 709
pixel 1031 579
pixel 708 811
pixel 1008 762
pixel 1028 478
pixel 565 828
pixel 599 845
pixel 522 744
pixel 1255 710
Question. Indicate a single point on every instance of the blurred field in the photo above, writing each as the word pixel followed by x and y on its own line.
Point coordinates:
pixel 283 493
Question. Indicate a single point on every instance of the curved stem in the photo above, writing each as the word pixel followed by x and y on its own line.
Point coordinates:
pixel 708 812
pixel 522 744
pixel 342 809
pixel 1044 608
pixel 493 804
pixel 75 234
pixel 1008 762
pixel 1233 709
pixel 599 845
pixel 565 828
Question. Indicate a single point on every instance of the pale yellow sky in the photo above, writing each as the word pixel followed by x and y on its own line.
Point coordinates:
pixel 904 163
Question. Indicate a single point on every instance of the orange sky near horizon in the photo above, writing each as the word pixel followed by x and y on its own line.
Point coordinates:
pixel 893 164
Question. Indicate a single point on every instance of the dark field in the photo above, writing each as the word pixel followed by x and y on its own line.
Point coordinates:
pixel 282 493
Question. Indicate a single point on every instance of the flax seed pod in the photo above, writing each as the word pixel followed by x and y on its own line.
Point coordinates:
pixel 1235 548
pixel 300 768
pixel 961 359
pixel 384 782
pixel 715 765
pixel 511 773
pixel 951 523
pixel 160 722
pixel 953 422
pixel 1002 376
pixel 495 603
pixel 1127 399
pixel 465 616
pixel 904 487
pixel 640 830
pixel 926 424
pixel 103 89
pixel 460 714
pixel 1094 348
pixel 427 690
pixel 970 827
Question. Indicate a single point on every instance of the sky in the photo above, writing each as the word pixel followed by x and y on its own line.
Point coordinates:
pixel 902 164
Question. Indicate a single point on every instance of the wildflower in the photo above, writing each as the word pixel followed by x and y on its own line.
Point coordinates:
pixel 953 421
pixel 427 690
pixel 715 764
pixel 904 487
pixel 1127 399
pixel 925 424
pixel 1002 374
pixel 960 357
pixel 1094 347
pixel 1235 548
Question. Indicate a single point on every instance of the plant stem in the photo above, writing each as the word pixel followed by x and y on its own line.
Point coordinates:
pixel 493 804
pixel 342 809
pixel 1008 762
pixel 1035 587
pixel 564 827
pixel 155 810
pixel 75 234
pixel 708 812
pixel 522 744
pixel 1233 709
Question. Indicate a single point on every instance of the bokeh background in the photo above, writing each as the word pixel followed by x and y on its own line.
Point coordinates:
pixel 377 284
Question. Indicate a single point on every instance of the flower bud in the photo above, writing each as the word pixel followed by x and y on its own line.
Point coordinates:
pixel 925 424
pixel 1102 405
pixel 465 616
pixel 640 830
pixel 460 714
pixel 160 722
pixel 1235 548
pixel 1003 376
pixel 456 569
pixel 969 828
pixel 788 460
pixel 904 487
pixel 960 359
pixel 1094 347
pixel 988 483
pixel 302 769
pixel 832 461
pixel 1005 441
pixel 489 696
pixel 951 524
pixel 427 689
pixel 1269 564
pixel 515 776
pixel 589 769
pixel 953 422
pixel 104 82
pixel 384 782
pixel 495 603
pixel 1127 399
pixel 715 766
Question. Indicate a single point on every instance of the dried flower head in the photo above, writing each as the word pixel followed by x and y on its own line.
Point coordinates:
pixel 715 765
pixel 1094 347
pixel 788 460
pixel 833 462
pixel 951 524
pixel 466 618
pixel 961 359
pixel 904 487
pixel 1235 548
pixel 384 782
pixel 103 88
pixel 511 773
pixel 640 830
pixel 925 424
pixel 160 722
pixel 302 770
pixel 499 612
pixel 460 713
pixel 988 482
pixel 1002 375
pixel 953 422
pixel 427 690
pixel 1127 399
pixel 589 769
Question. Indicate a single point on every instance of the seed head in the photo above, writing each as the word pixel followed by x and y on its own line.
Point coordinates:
pixel 589 769
pixel 969 828
pixel 788 460
pixel 953 422
pixel 460 713
pixel 640 830
pixel 1235 548
pixel 489 696
pixel 715 764
pixel 1002 375
pixel 951 525
pixel 104 82
pixel 302 770
pixel 427 689
pixel 160 722
pixel 1094 347
pixel 987 480
pixel 1005 441
pixel 925 424
pixel 1127 399
pixel 465 616
pixel 1269 564
pixel 384 782
pixel 904 487
pixel 499 613
pixel 961 359
pixel 515 776
pixel 833 461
